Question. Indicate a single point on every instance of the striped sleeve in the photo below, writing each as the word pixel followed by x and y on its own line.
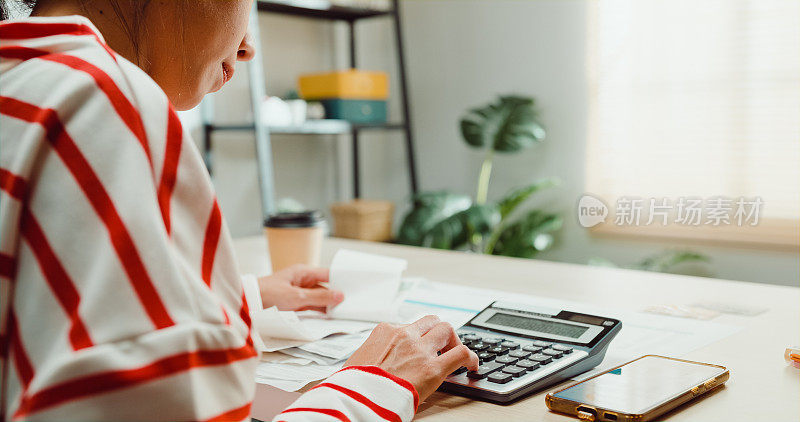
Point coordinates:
pixel 356 393
pixel 120 295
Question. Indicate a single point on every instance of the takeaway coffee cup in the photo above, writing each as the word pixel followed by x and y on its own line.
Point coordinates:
pixel 294 238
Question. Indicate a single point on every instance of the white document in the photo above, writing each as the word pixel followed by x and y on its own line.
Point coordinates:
pixel 337 347
pixel 276 344
pixel 292 377
pixel 286 325
pixel 313 357
pixel 371 285
pixel 276 357
pixel 285 385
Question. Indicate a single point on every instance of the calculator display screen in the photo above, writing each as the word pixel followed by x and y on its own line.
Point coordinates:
pixel 533 324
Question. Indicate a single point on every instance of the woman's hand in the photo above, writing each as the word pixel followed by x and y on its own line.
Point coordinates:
pixel 298 288
pixel 410 352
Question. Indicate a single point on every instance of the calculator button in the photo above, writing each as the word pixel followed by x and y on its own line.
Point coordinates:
pixel 532 349
pixel 519 354
pixel 497 350
pixel 541 344
pixel 552 352
pixel 470 337
pixel 500 377
pixel 485 356
pixel 506 360
pixel 492 341
pixel 458 371
pixel 478 346
pixel 566 350
pixel 541 359
pixel 510 344
pixel 484 370
pixel 528 364
pixel 516 371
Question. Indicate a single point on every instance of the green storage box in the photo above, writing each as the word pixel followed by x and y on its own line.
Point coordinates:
pixel 355 111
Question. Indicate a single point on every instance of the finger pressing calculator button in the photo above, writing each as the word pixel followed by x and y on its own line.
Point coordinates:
pixel 478 346
pixel 516 371
pixel 500 377
pixel 532 349
pixel 484 370
pixel 509 344
pixel 458 371
pixel 552 352
pixel 564 349
pixel 519 354
pixel 470 337
pixel 485 356
pixel 541 359
pixel 497 350
pixel 541 344
pixel 492 341
pixel 528 364
pixel 506 360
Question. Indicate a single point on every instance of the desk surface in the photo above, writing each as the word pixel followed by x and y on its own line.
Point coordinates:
pixel 762 385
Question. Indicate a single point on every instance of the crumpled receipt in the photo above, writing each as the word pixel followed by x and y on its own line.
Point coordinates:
pixel 371 285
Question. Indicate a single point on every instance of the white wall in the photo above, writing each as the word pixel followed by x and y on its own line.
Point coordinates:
pixel 460 53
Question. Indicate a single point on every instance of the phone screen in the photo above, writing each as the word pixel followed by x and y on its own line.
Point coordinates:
pixel 640 385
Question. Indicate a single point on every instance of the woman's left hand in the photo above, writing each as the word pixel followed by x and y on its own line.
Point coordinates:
pixel 298 288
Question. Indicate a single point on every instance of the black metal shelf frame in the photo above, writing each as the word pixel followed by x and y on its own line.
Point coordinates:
pixel 350 15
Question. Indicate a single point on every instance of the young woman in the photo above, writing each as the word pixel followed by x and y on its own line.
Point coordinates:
pixel 119 293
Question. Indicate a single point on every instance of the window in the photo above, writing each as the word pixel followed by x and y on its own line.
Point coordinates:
pixel 697 98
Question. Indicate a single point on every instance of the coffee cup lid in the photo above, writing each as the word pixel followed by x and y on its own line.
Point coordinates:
pixel 294 219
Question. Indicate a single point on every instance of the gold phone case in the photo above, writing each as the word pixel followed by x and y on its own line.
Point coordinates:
pixel 592 413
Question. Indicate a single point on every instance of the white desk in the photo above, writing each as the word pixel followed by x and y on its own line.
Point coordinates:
pixel 762 386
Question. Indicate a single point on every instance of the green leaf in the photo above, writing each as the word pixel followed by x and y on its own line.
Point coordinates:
pixel 529 235
pixel 602 262
pixel 429 208
pixel 457 231
pixel 665 262
pixel 511 201
pixel 507 125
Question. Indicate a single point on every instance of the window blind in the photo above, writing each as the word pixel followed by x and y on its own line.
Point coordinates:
pixel 696 98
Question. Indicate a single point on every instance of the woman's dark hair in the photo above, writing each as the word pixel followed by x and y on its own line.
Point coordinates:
pixel 4 7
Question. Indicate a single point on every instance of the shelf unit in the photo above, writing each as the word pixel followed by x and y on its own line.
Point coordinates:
pixel 323 11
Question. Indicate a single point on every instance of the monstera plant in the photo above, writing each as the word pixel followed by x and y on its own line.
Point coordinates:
pixel 447 220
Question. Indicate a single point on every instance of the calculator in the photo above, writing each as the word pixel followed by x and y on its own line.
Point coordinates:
pixel 524 348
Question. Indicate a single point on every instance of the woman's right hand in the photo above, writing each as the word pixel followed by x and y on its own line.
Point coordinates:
pixel 410 352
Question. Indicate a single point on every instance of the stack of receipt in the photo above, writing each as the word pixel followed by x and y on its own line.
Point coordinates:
pixel 302 347
pixel 292 368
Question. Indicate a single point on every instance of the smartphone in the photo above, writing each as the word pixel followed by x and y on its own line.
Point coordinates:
pixel 639 390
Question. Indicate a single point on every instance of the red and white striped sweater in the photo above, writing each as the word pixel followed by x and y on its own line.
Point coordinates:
pixel 119 294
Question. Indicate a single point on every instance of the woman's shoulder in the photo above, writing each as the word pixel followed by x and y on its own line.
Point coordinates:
pixel 64 62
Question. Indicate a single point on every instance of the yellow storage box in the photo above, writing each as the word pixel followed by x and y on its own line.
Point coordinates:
pixel 346 84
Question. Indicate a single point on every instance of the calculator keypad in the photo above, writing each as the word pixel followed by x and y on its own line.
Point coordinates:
pixel 555 354
pixel 500 377
pixel 484 370
pixel 502 360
